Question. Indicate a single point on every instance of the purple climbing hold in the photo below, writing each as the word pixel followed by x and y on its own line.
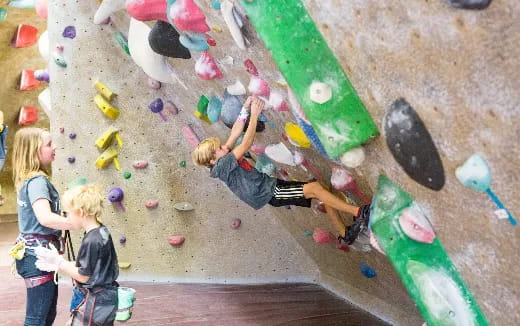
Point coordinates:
pixel 469 4
pixel 72 135
pixel 235 224
pixel 122 240
pixel 42 75
pixel 71 159
pixel 69 32
pixel 156 107
pixel 116 195
pixel 153 84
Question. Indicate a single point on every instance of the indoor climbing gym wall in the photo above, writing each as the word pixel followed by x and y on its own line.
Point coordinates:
pixel 410 106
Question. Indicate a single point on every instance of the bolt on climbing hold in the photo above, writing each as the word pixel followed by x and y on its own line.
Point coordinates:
pixel 116 195
pixel 59 60
pixel 157 106
pixel 182 164
pixel 62 130
pixel 71 159
pixel 154 84
pixel 106 139
pixel 72 135
pixel 105 91
pixel 69 32
pixel 151 203
pixel 3 14
pixel 105 107
pixel 307 233
pixel 366 270
pixel 141 164
pixel 107 157
pixel 353 158
pixel 122 239
pixel 176 240
pixel 235 224
pixel 127 175
pixel 124 265
pixel 59 48
pixel 320 92
pixel 25 35
pixel 171 107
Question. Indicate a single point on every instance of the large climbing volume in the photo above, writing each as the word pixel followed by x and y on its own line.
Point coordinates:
pixel 304 58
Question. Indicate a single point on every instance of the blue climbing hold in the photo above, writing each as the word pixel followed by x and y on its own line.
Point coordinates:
pixel 215 4
pixel 366 270
pixel 194 42
pixel 214 108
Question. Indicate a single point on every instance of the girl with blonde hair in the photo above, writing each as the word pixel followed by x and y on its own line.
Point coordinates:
pixel 39 220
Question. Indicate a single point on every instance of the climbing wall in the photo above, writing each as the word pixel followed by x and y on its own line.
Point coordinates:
pixel 453 67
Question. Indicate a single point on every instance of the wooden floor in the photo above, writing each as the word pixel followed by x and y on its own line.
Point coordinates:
pixel 206 304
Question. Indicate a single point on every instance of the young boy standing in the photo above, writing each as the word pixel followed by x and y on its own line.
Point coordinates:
pixel 258 189
pixel 96 269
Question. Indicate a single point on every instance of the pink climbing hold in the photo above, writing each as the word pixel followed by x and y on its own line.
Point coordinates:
pixel 190 136
pixel 145 10
pixel 259 87
pixel 28 81
pixel 176 240
pixel 187 16
pixel 59 48
pixel 210 40
pixel 151 203
pixel 340 178
pixel 206 68
pixel 171 107
pixel 278 103
pixel 320 236
pixel 154 84
pixel 235 224
pixel 250 67
pixel 141 164
pixel 416 225
pixel 258 148
pixel 41 8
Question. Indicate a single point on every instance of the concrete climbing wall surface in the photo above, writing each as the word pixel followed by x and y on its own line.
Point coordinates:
pixel 456 68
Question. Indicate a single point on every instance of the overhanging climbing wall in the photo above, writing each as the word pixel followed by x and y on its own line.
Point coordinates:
pixel 452 66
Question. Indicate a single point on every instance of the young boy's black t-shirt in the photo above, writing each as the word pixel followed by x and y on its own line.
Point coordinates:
pixel 97 258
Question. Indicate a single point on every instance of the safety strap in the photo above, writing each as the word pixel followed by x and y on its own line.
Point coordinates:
pixel 35 281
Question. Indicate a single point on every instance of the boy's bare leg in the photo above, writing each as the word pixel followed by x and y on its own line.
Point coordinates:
pixel 315 190
pixel 336 220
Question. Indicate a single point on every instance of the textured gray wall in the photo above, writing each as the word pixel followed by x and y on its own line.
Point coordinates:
pixel 457 68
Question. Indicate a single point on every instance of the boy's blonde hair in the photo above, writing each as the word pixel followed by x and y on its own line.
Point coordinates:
pixel 25 160
pixel 205 152
pixel 87 198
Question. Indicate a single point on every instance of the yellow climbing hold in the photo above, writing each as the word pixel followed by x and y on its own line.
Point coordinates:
pixel 107 138
pixel 124 265
pixel 106 107
pixel 105 91
pixel 296 135
pixel 216 29
pixel 107 157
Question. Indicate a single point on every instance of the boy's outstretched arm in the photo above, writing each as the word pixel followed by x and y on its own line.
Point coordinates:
pixel 257 106
pixel 239 124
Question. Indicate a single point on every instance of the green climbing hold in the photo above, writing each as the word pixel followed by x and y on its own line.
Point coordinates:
pixel 77 182
pixel 423 266
pixel 182 164
pixel 127 175
pixel 121 40
pixel 302 55
pixel 3 14
pixel 307 233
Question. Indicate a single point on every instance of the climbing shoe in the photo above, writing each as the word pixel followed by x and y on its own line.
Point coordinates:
pixel 360 224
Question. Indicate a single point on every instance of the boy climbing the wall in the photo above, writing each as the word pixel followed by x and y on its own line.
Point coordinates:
pixel 257 189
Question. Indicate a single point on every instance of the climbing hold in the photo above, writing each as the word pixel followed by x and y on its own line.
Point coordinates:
pixel 41 8
pixel 164 40
pixel 215 4
pixel 59 60
pixel 296 135
pixel 28 81
pixel 187 16
pixel 151 203
pixel 72 135
pixel 342 180
pixel 353 158
pixel 412 146
pixel 69 32
pixel 298 158
pixel 374 243
pixel 127 175
pixel 278 103
pixel 206 68
pixel 320 236
pixel 416 225
pixel 106 21
pixel 157 106
pixel 234 23
pixel 24 4
pixel 59 48
pixel 475 174
pixel 124 265
pixel 320 92
pixel 108 137
pixel 176 240
pixel 28 115
pixel 24 36
pixel 265 165
pixel 227 60
pixel 235 224
pixel 183 206
pixel 259 87
pixel 214 108
pixel 182 164
pixel 211 41
pixel 116 195
pixel 236 89
pixel 107 8
pixel 62 130
pixel 122 41
pixel 501 214
pixel 154 84
pixel 141 164
pixel 194 42
pixel 71 159
pixel 44 99
pixel 43 45
pixel 307 233
pixel 280 153
pixel 171 107
pixel 105 91
pixel 231 106
pixel 257 148
pixel 3 14
pixel 106 108
pixel 190 136
pixel 250 67
pixel 202 109
pixel 366 270
pixel 77 182
pixel 146 10
pixel 122 239
pixel 42 75
pixel 469 4
pixel 107 157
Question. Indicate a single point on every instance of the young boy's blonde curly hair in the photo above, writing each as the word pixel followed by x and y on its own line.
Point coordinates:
pixel 205 152
pixel 88 199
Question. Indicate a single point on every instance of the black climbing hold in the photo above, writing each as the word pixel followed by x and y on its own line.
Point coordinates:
pixel 412 146
pixel 164 40
pixel 469 4
pixel 231 106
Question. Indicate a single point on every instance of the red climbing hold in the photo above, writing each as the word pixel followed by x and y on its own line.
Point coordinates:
pixel 250 67
pixel 28 81
pixel 145 10
pixel 259 87
pixel 206 68
pixel 176 240
pixel 211 41
pixel 28 115
pixel 187 16
pixel 26 35
pixel 235 224
pixel 320 236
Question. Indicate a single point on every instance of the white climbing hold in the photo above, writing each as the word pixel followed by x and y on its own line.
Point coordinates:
pixel 43 45
pixel 45 101
pixel 236 89
pixel 501 214
pixel 280 153
pixel 353 158
pixel 320 92
pixel 228 60
pixel 107 8
pixel 277 102
pixel 234 24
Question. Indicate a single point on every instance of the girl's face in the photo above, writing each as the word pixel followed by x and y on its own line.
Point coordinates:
pixel 47 150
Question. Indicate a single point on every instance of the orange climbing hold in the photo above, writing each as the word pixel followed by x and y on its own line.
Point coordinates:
pixel 28 81
pixel 25 35
pixel 28 115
